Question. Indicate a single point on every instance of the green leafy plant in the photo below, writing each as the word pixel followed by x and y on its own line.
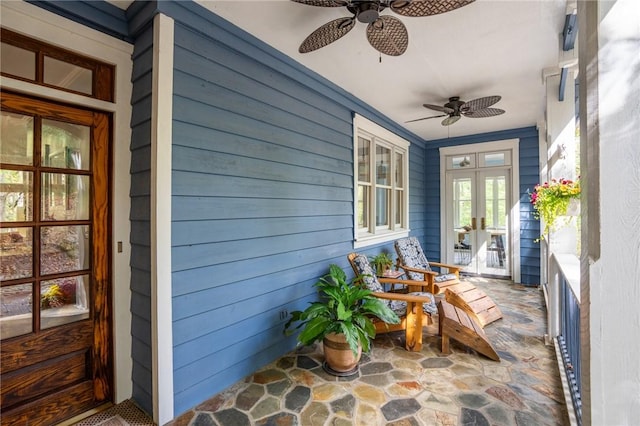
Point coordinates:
pixel 381 262
pixel 551 200
pixel 344 308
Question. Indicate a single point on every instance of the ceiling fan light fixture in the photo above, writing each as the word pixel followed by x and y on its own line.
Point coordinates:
pixel 368 12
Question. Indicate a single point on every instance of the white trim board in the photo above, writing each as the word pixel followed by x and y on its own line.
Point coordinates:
pixel 514 214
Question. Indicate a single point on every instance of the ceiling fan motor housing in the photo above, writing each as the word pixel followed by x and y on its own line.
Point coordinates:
pixel 366 11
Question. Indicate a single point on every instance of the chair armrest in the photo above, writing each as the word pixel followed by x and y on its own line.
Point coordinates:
pixel 419 271
pixel 428 285
pixel 454 269
pixel 403 297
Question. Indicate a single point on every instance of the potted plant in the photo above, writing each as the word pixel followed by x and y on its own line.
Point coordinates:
pixel 552 199
pixel 341 319
pixel 381 262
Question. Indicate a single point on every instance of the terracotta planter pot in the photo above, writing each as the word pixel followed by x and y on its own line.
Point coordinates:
pixel 339 356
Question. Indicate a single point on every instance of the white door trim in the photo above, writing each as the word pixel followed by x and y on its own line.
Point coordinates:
pixel 514 212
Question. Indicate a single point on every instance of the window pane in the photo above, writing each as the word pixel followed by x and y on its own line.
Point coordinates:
pixel 16 196
pixel 382 206
pixel 364 159
pixel 64 249
pixel 17 139
pixel 16 256
pixel 399 181
pixel 383 165
pixel 494 159
pixel 64 300
pixel 463 161
pixel 16 310
pixel 399 211
pixel 68 76
pixel 65 197
pixel 18 62
pixel 65 145
pixel 363 206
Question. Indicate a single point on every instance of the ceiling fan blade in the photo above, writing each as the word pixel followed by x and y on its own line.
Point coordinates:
pixel 322 3
pixel 426 118
pixel 326 34
pixel 485 112
pixel 438 108
pixel 388 35
pixel 450 120
pixel 480 103
pixel 426 7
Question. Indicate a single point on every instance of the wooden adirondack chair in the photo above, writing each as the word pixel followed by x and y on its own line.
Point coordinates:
pixel 414 309
pixel 462 294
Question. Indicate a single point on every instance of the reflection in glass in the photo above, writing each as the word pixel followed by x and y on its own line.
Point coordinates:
pixel 16 196
pixel 382 207
pixel 18 61
pixel 399 178
pixel 494 159
pixel 65 197
pixel 399 207
pixel 17 139
pixel 383 165
pixel 16 256
pixel 364 159
pixel 463 162
pixel 68 76
pixel 462 202
pixel 16 310
pixel 363 206
pixel 64 248
pixel 65 145
pixel 63 301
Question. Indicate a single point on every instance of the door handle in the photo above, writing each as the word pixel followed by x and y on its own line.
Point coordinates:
pixel 473 224
pixel 482 224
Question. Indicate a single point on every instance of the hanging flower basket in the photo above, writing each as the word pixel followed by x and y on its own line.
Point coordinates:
pixel 554 199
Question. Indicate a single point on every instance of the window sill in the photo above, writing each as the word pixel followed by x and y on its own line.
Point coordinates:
pixel 370 240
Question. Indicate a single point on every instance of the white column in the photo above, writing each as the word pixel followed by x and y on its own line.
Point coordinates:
pixel 161 129
pixel 609 35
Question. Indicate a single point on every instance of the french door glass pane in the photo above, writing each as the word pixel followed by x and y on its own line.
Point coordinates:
pixel 16 310
pixel 64 300
pixel 16 196
pixel 17 139
pixel 64 249
pixel 65 145
pixel 65 197
pixel 16 256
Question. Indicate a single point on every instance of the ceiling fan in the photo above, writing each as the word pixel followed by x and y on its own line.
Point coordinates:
pixel 385 33
pixel 455 108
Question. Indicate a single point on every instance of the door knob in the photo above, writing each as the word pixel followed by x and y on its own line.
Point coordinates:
pixel 473 224
pixel 482 224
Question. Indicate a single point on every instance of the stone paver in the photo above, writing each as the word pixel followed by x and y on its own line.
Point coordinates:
pixel 400 388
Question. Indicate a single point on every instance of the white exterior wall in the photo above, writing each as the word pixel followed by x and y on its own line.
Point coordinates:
pixel 610 284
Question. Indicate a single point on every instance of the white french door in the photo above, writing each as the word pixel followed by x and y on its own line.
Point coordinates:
pixel 478 221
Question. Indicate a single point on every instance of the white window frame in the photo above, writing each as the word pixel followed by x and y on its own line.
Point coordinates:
pixel 379 136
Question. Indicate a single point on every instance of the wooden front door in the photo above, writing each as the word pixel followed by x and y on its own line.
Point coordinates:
pixel 55 324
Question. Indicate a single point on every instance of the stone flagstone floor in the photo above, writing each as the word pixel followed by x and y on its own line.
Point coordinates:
pixel 396 387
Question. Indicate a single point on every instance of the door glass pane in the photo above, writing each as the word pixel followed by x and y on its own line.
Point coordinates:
pixel 65 197
pixel 65 145
pixel 16 310
pixel 17 139
pixel 364 159
pixel 16 196
pixel 16 256
pixel 363 206
pixel 462 214
pixel 64 300
pixel 18 61
pixel 64 249
pixel 68 76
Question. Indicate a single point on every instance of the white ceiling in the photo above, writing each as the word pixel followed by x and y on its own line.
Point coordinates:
pixel 489 47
